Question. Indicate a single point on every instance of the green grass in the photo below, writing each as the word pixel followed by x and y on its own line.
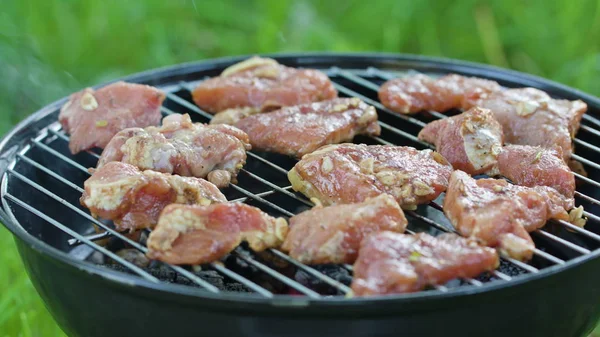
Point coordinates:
pixel 51 48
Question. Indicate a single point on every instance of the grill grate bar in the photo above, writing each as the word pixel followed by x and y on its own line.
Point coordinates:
pixel 579 230
pixel 591 119
pixel 315 273
pixel 586 144
pixel 587 198
pixel 261 200
pixel 275 274
pixel 92 237
pixel 382 141
pixel 591 216
pixel 279 189
pixel 59 155
pixel 82 238
pixel 585 161
pixel 589 129
pixel 264 161
pixel 587 180
pixel 49 172
pixel 261 194
pixel 189 105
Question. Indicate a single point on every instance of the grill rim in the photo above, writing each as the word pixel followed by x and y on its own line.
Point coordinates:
pixel 386 61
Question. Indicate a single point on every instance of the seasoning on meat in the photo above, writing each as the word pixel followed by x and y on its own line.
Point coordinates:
pixel 498 214
pixel 530 117
pixel 216 152
pixel 302 129
pixel 194 234
pixel 470 141
pixel 233 115
pixel 263 84
pixel 134 199
pixel 390 263
pixel 333 234
pixel 536 166
pixel 348 173
pixel 93 117
pixel 420 92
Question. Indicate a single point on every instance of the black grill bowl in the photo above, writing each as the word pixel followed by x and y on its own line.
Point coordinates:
pixel 86 299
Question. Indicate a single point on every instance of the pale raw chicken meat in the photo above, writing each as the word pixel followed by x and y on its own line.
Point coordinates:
pixel 500 215
pixel 470 141
pixel 530 117
pixel 215 152
pixel 188 234
pixel 392 263
pixel 420 92
pixel 133 199
pixel 348 173
pixel 263 85
pixel 333 234
pixel 536 166
pixel 302 129
pixel 93 117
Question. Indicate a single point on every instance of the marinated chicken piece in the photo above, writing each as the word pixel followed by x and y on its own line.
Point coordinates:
pixel 420 92
pixel 530 117
pixel 92 118
pixel 536 166
pixel 216 152
pixel 470 141
pixel 302 129
pixel 390 263
pixel 349 173
pixel 498 214
pixel 263 84
pixel 188 234
pixel 133 199
pixel 333 234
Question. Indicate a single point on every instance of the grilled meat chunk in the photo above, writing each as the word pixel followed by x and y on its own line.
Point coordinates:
pixel 333 234
pixel 391 263
pixel 301 129
pixel 262 84
pixel 530 117
pixel 536 166
pixel 470 141
pixel 348 173
pixel 420 92
pixel 134 199
pixel 498 214
pixel 92 118
pixel 216 152
pixel 194 234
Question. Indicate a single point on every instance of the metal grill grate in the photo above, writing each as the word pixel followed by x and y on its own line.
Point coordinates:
pixel 45 167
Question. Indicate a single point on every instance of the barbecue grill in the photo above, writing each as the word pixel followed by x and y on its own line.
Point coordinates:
pixel 93 290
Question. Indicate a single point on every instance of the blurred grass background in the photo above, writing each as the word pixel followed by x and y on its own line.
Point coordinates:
pixel 49 48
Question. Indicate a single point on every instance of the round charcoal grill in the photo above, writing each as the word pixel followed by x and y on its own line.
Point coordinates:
pixel 92 289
